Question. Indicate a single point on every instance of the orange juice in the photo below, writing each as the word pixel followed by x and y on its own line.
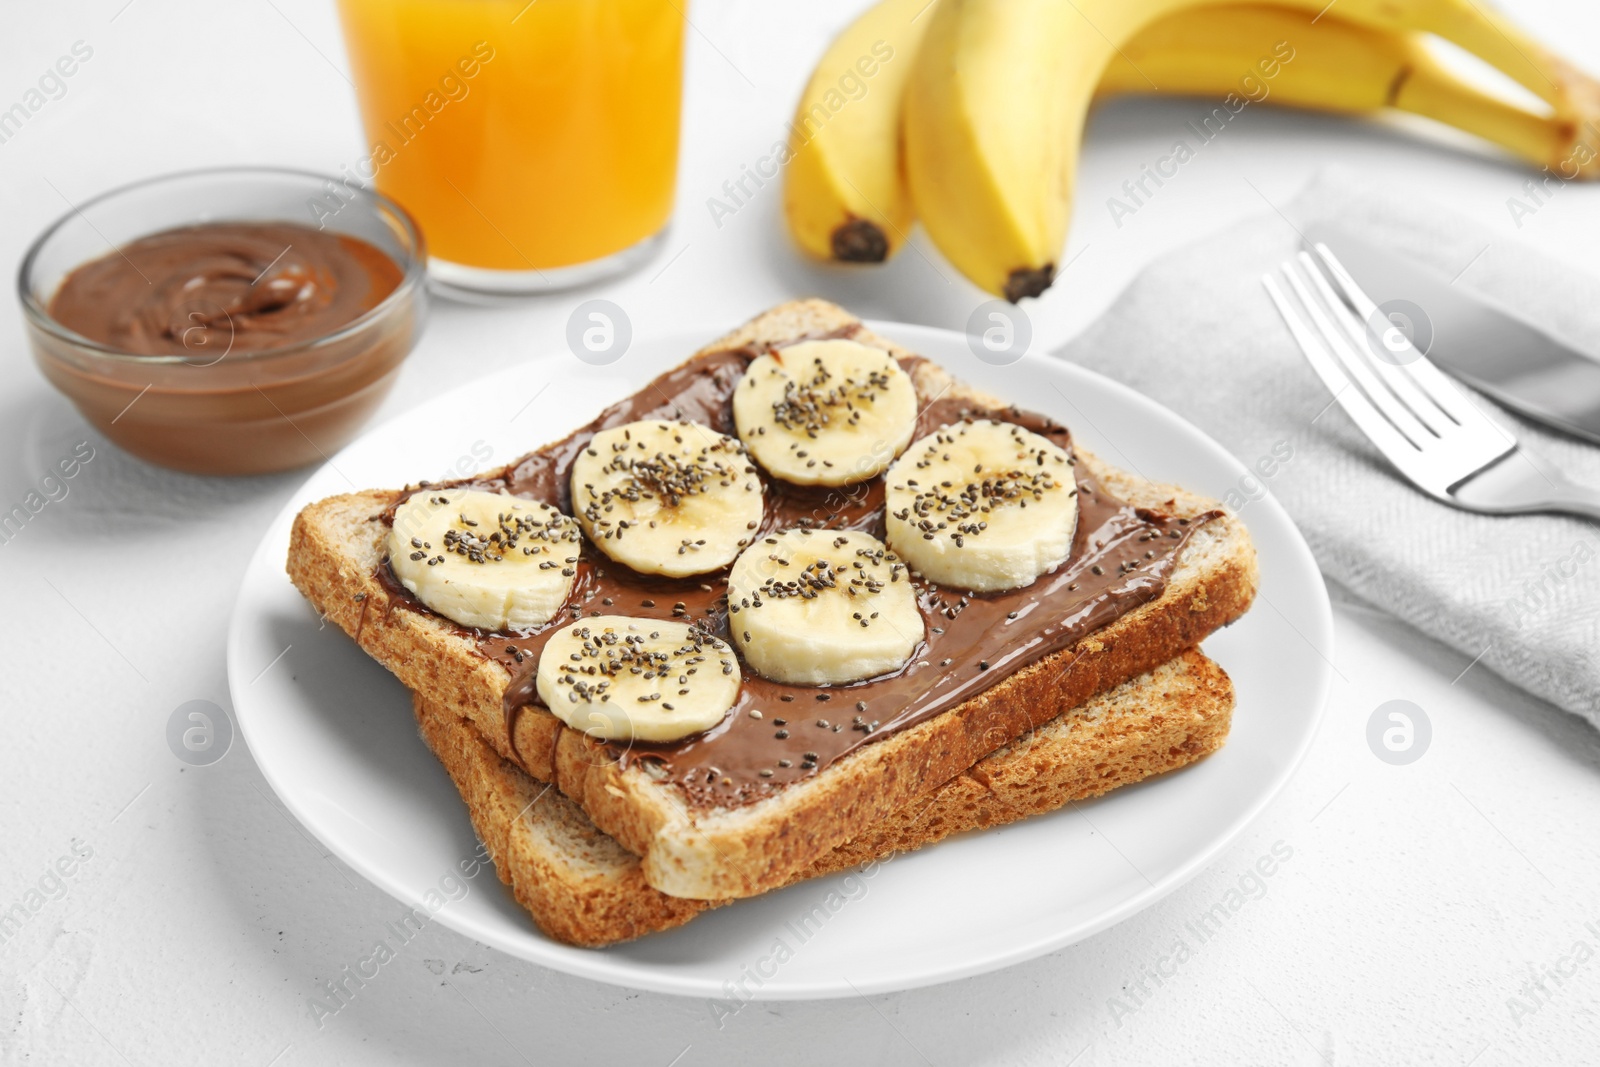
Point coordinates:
pixel 524 135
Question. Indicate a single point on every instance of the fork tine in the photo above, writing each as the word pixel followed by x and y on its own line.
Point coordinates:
pixel 1428 378
pixel 1355 365
pixel 1366 417
pixel 1393 377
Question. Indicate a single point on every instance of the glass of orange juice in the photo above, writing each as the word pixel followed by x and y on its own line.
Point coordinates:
pixel 536 141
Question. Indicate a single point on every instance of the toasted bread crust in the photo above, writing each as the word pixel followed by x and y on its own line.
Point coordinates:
pixel 583 888
pixel 336 546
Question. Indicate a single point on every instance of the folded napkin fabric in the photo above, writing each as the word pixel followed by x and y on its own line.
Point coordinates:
pixel 1197 332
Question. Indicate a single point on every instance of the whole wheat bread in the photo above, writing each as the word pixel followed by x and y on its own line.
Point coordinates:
pixel 337 546
pixel 584 888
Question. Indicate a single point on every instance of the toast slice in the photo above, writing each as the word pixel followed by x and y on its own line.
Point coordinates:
pixel 584 888
pixel 337 550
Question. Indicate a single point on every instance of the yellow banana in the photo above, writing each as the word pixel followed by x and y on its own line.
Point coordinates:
pixel 994 110
pixel 1338 66
pixel 844 194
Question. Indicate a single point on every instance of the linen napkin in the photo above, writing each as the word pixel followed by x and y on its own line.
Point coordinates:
pixel 1197 332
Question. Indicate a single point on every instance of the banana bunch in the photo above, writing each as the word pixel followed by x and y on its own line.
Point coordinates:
pixel 968 114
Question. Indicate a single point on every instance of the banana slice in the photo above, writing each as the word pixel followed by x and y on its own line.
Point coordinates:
pixel 982 506
pixel 672 498
pixel 483 559
pixel 625 679
pixel 822 607
pixel 825 412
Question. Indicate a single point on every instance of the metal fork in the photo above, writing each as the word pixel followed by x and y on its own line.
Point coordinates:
pixel 1429 429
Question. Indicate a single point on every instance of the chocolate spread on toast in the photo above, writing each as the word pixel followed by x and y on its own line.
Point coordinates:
pixel 1121 558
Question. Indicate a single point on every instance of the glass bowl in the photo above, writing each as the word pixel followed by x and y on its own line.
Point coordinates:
pixel 214 410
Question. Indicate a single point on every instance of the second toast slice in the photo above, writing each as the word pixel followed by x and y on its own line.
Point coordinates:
pixel 583 888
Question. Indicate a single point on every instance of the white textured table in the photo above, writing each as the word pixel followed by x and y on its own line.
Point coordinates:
pixel 1421 904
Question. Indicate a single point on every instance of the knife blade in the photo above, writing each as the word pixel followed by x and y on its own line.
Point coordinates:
pixel 1468 336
